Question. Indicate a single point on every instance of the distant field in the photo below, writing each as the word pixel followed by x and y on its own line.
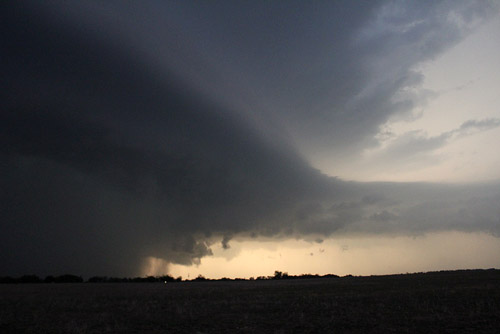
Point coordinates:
pixel 462 301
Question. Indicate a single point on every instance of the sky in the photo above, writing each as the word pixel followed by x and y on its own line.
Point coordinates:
pixel 233 138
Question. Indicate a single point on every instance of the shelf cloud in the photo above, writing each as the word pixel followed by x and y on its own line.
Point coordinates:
pixel 157 130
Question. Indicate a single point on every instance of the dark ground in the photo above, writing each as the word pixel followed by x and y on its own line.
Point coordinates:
pixel 445 302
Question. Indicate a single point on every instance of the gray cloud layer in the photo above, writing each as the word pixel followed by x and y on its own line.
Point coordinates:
pixel 131 131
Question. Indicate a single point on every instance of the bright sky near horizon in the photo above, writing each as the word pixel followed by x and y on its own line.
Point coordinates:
pixel 342 256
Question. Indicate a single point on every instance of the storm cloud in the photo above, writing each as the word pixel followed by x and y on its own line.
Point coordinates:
pixel 155 130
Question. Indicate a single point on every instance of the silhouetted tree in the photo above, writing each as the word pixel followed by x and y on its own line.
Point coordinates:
pixel 29 279
pixel 167 278
pixel 49 279
pixel 200 278
pixel 98 279
pixel 68 279
pixel 119 280
pixel 7 279
pixel 330 276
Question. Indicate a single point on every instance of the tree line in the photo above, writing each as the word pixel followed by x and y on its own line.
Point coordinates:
pixel 69 278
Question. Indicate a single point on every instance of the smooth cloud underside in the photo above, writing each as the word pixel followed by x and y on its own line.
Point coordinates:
pixel 120 144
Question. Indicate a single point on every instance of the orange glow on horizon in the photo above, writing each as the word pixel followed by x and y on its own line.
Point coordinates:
pixel 368 255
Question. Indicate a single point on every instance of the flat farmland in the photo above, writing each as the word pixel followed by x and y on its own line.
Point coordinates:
pixel 458 301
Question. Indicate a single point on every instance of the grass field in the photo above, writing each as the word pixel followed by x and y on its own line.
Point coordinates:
pixel 460 301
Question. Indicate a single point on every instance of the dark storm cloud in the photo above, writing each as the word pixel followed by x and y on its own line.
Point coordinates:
pixel 111 163
pixel 132 131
